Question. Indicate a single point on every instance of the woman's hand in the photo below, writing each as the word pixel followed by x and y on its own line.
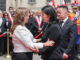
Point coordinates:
pixel 35 49
pixel 49 43
pixel 38 40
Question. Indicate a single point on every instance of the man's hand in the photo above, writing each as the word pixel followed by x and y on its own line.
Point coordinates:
pixel 65 56
pixel 40 29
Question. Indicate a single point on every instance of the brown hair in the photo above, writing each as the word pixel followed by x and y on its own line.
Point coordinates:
pixel 19 18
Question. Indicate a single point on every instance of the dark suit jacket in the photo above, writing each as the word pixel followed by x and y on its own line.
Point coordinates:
pixel 9 25
pixel 29 24
pixel 33 26
pixel 53 33
pixel 68 39
pixel 3 26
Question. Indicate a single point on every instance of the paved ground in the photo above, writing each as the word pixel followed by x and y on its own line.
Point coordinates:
pixel 35 57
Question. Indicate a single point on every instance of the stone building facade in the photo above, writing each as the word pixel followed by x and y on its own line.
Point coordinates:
pixel 30 4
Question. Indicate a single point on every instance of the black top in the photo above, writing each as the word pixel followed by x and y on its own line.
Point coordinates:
pixel 52 32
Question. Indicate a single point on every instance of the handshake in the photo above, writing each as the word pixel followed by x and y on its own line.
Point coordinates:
pixel 48 43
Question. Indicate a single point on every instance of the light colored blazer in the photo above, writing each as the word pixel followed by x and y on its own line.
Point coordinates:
pixel 23 40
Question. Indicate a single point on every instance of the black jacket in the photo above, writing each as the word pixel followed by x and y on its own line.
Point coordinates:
pixel 68 38
pixel 3 26
pixel 8 26
pixel 33 26
pixel 53 33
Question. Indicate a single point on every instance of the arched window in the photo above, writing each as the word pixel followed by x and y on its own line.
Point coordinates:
pixel 3 5
pixel 49 0
pixel 68 1
pixel 31 1
pixel 20 1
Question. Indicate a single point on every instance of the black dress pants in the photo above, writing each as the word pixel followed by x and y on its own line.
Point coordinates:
pixel 22 56
pixel 52 59
pixel 1 46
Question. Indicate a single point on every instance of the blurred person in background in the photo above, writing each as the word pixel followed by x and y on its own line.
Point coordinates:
pixel 75 17
pixel 37 24
pixel 78 38
pixel 2 30
pixel 10 14
pixel 7 26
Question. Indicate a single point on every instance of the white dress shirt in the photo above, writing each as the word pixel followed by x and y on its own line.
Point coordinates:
pixel 0 24
pixel 1 21
pixel 64 21
pixel 23 40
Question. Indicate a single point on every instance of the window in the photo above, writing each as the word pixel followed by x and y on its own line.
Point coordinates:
pixel 68 1
pixel 20 1
pixel 3 5
pixel 31 1
pixel 49 0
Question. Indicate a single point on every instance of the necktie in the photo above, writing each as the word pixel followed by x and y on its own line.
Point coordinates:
pixel 60 24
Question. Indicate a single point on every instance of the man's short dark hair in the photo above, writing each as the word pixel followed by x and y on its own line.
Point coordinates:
pixel 64 7
pixel 10 8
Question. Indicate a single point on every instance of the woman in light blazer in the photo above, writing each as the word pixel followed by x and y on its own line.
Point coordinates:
pixel 23 40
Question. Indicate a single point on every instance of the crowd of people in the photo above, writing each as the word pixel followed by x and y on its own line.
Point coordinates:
pixel 52 33
pixel 5 24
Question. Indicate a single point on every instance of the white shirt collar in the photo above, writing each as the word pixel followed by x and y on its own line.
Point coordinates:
pixel 1 21
pixel 65 19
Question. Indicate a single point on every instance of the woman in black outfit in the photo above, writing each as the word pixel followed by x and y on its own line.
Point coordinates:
pixel 51 31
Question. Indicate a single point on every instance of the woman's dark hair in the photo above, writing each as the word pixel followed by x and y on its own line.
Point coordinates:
pixel 49 10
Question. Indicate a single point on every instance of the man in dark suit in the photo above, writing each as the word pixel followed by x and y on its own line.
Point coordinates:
pixel 66 49
pixel 36 29
pixel 2 30
pixel 10 14
pixel 38 24
pixel 7 26
pixel 34 25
